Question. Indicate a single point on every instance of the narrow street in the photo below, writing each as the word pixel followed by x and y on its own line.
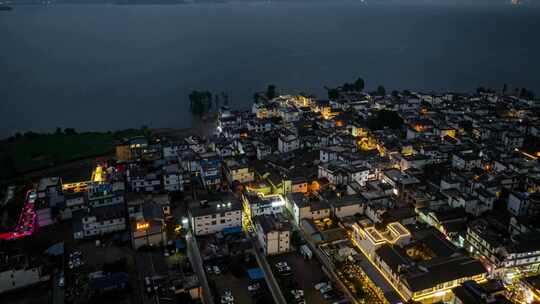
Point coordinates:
pixel 268 274
pixel 329 267
pixel 195 258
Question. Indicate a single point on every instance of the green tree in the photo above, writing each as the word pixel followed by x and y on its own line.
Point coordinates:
pixel 271 92
pixel 217 100
pixel 385 118
pixel 359 84
pixel 225 98
pixel 333 94
pixel 58 131
pixel 381 90
pixel 200 102
pixel 525 93
pixel 348 87
pixel 70 131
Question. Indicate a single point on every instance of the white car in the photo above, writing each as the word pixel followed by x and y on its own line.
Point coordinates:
pixel 61 282
pixel 227 297
pixel 281 264
pixel 254 287
pixel 320 285
pixel 216 270
pixel 298 294
pixel 325 289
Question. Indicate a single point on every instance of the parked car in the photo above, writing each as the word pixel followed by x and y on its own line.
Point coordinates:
pixel 320 285
pixel 325 289
pixel 216 270
pixel 61 282
pixel 148 285
pixel 298 294
pixel 208 269
pixel 254 287
pixel 227 297
pixel 330 295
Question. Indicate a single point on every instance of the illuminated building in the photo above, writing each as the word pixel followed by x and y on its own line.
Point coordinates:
pixel 420 267
pixel 420 127
pixel 131 149
pixel 273 233
pixel 208 217
pixel 259 204
pixel 371 238
pixel 447 132
pixel 471 292
pixel 238 170
pixel 531 286
pixel 505 254
pixel 339 173
pixel 148 229
pixel 303 208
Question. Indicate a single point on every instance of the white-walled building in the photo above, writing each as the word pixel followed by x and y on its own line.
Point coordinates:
pixel 302 208
pixel 273 233
pixel 238 171
pixel 211 217
pixel 256 204
pixel 347 205
pixel 288 142
pixel 173 178
pixel 504 254
pixel 17 272
pixel 98 221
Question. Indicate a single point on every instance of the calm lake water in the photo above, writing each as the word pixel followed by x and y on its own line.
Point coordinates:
pixel 101 67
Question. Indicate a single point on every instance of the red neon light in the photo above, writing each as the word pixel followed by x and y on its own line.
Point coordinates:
pixel 26 224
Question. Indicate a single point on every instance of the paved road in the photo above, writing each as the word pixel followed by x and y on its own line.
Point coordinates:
pixel 377 278
pixel 329 267
pixel 195 257
pixel 145 267
pixel 306 273
pixel 273 286
pixel 58 294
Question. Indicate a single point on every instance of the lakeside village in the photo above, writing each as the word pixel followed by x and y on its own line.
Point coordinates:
pixel 401 198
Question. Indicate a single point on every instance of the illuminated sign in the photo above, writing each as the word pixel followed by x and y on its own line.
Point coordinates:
pixel 143 226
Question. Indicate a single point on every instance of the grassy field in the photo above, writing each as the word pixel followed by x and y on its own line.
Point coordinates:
pixel 26 154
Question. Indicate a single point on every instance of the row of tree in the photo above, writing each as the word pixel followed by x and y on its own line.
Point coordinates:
pixel 357 86
pixel 521 93
pixel 201 102
pixel 29 135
